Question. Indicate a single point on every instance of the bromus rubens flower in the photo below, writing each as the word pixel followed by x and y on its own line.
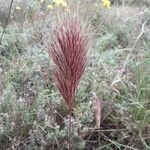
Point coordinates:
pixel 68 51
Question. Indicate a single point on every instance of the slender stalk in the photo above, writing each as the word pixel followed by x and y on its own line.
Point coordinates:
pixel 69 129
pixel 10 7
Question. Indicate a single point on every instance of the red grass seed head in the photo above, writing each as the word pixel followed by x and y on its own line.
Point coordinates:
pixel 69 54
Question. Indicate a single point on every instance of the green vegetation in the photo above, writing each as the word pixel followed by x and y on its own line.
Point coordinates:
pixel 32 114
